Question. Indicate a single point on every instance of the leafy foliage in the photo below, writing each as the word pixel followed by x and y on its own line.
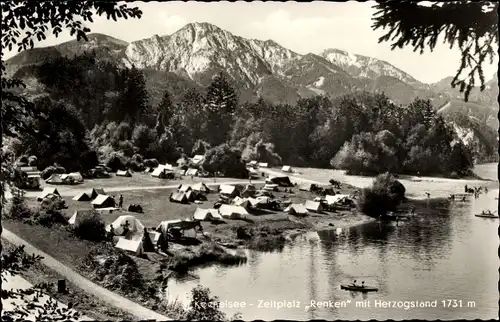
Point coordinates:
pixel 205 307
pixel 90 227
pixel 221 102
pixel 22 22
pixel 473 26
pixel 60 136
pixel 226 160
pixel 385 194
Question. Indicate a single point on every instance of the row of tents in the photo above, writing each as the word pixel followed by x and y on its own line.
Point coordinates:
pixel 188 193
pixel 97 197
pixel 318 205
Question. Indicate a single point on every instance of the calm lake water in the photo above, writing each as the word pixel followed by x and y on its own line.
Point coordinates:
pixel 451 256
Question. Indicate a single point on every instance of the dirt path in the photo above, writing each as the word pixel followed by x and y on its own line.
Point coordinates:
pixel 86 285
pixel 65 192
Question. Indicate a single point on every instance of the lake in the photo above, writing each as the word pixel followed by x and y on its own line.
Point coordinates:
pixel 450 257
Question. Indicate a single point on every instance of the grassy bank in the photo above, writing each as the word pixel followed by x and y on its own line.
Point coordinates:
pixel 86 304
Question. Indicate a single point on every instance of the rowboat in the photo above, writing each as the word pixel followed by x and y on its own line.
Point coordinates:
pixel 358 288
pixel 486 216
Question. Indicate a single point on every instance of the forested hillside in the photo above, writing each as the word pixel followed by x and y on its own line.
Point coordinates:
pixel 100 111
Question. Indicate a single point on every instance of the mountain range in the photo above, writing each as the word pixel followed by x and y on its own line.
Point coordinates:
pixel 191 56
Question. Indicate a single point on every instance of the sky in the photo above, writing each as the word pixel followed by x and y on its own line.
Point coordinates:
pixel 309 27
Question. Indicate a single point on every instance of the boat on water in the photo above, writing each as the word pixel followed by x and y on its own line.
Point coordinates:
pixel 487 214
pixel 358 288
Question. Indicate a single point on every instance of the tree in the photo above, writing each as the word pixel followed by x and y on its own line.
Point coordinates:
pixel 166 108
pixel 200 147
pixel 225 159
pixel 194 115
pixel 133 97
pixel 22 22
pixel 60 136
pixel 471 25
pixel 385 194
pixel 14 262
pixel 221 102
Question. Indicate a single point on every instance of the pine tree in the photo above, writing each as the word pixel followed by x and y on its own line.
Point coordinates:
pixel 133 96
pixel 221 102
pixel 166 108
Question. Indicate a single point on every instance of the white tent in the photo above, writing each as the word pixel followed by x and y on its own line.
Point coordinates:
pixel 82 197
pixel 47 191
pixel 296 209
pixel 286 168
pixel 76 176
pixel 168 167
pixel 158 172
pixel 191 172
pixel 103 201
pixel 154 236
pixel 200 187
pixel 123 173
pixel 55 178
pixel 198 159
pixel 206 214
pixel 227 190
pixel 184 188
pixel 331 200
pixel 232 212
pixel 132 246
pixel 313 206
pixel 263 165
pixel 270 187
pixel 135 227
pixel 245 203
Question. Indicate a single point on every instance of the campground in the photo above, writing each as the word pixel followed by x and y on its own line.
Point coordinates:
pixel 220 243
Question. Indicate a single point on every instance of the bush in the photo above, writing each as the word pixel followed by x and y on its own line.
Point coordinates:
pixel 49 218
pixel 151 163
pixel 137 158
pixel 135 166
pixel 205 307
pixel 115 270
pixel 90 227
pixel 19 210
pixel 50 214
pixel 89 160
pixel 386 194
pixel 227 160
pixel 116 161
pixel 200 147
pixel 388 184
pixel 47 172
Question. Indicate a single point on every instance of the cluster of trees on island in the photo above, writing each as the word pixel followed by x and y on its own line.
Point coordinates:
pixel 95 110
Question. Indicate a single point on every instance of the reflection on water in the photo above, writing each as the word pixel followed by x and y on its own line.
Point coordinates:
pixel 448 255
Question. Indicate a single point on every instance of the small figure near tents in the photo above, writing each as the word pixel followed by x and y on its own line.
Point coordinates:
pixel 120 203
pixel 126 228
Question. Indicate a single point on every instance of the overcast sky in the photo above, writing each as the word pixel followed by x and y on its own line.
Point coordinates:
pixel 301 27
